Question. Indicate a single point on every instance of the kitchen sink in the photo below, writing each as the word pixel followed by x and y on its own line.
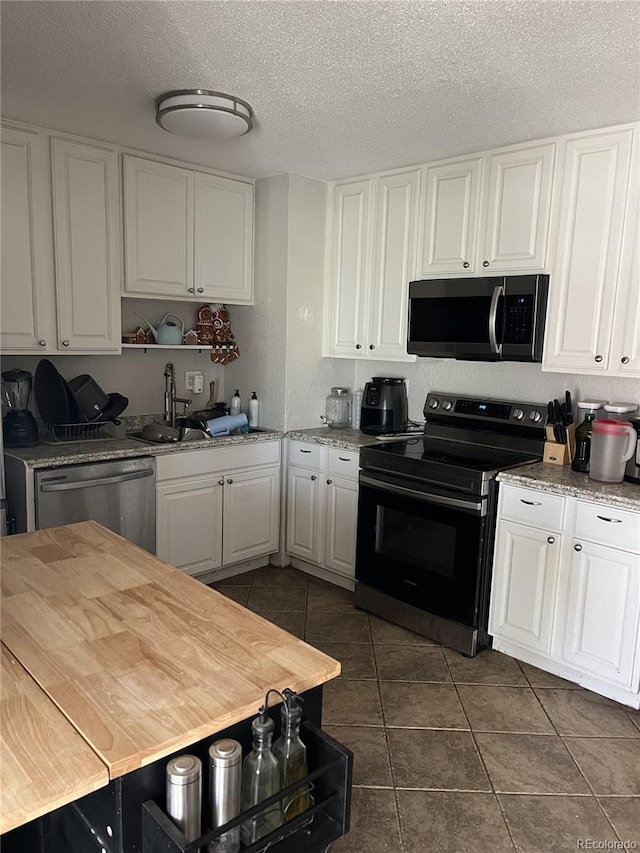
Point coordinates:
pixel 189 435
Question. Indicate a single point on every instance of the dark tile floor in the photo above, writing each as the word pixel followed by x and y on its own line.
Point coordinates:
pixel 458 755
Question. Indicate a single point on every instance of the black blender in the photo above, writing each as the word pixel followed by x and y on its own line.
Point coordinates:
pixel 19 427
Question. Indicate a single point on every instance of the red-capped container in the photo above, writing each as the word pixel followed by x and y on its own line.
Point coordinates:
pixel 612 444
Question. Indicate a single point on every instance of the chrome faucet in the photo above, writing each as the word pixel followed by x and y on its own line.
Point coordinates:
pixel 170 398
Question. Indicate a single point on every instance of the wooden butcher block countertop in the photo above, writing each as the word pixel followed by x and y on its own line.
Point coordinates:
pixel 142 659
pixel 44 763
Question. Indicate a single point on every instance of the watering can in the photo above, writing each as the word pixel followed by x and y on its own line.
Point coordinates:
pixel 168 332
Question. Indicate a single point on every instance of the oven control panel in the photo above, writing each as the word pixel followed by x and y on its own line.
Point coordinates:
pixel 497 411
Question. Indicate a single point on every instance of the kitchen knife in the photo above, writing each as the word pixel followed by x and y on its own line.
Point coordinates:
pixel 550 413
pixel 569 406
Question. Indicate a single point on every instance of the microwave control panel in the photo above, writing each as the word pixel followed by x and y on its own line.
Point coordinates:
pixel 518 321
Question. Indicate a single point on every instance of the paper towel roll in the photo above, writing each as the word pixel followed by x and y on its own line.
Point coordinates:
pixel 224 425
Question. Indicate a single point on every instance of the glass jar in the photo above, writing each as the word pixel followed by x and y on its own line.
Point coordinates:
pixel 338 409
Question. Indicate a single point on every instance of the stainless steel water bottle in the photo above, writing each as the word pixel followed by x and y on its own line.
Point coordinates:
pixel 184 794
pixel 225 769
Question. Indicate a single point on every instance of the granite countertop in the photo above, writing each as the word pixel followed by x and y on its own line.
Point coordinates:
pixel 349 439
pixel 102 450
pixel 561 480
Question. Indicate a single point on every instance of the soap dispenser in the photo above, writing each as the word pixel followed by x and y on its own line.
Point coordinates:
pixel 260 780
pixel 292 754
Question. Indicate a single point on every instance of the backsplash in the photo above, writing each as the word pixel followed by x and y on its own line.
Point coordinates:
pixel 136 374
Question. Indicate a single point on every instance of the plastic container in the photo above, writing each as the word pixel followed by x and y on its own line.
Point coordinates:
pixel 254 410
pixel 224 425
pixel 621 411
pixel 584 406
pixel 355 410
pixel 613 443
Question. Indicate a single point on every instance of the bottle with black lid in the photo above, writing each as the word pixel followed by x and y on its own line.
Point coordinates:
pixel 582 453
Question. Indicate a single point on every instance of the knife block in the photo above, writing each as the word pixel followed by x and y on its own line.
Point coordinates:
pixel 559 454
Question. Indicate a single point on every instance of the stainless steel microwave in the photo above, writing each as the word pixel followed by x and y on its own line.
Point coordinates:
pixel 498 318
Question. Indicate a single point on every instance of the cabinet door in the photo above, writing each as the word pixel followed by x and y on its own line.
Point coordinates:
pixel 449 221
pixel 223 239
pixel 340 519
pixel 85 210
pixel 625 353
pixel 351 239
pixel 524 586
pixel 394 266
pixel 158 228
pixel 603 613
pixel 189 524
pixel 595 174
pixel 304 519
pixel 251 517
pixel 28 318
pixel 517 209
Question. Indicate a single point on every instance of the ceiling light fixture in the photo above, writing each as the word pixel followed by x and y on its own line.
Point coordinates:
pixel 203 114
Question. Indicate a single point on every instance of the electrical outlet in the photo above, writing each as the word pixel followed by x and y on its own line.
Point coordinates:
pixel 191 380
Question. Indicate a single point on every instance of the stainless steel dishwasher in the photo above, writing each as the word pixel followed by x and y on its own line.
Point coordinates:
pixel 119 494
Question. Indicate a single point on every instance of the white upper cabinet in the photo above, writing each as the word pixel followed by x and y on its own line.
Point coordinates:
pixel 585 279
pixel 28 306
pixel 373 259
pixel 449 222
pixel 188 234
pixel 516 209
pixel 488 213
pixel 223 239
pixel 86 223
pixel 351 238
pixel 158 222
pixel 60 248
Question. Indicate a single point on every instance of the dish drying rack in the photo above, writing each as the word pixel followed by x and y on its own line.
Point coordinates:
pixel 64 433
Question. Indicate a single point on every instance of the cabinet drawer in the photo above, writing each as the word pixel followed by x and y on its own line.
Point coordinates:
pixel 530 506
pixel 305 454
pixel 343 463
pixel 608 525
pixel 234 457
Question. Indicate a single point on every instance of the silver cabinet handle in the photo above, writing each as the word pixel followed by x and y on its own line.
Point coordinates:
pixel 344 458
pixel 313 477
pixel 65 343
pixel 229 482
pixel 372 346
pixel 577 547
pixel 304 451
pixel 329 482
pixel 221 482
pixel 87 484
pixel 485 263
pixel 598 358
pixel 611 520
pixel 190 289
pixel 42 343
pixel 201 290
pixel 530 503
pixel 625 359
pixel 358 346
pixel 466 265
pixel 551 539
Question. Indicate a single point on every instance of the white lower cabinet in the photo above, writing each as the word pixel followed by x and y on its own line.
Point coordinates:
pixel 322 509
pixel 601 634
pixel 569 603
pixel 218 507
pixel 525 585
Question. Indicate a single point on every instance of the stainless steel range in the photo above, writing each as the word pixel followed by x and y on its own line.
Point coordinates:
pixel 426 515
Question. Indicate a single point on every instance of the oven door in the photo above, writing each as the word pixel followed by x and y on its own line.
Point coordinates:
pixel 422 545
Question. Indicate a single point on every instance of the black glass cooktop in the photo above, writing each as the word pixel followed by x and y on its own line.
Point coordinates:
pixel 422 451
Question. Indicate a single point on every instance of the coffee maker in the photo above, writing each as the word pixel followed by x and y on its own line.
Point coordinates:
pixel 384 406
pixel 19 427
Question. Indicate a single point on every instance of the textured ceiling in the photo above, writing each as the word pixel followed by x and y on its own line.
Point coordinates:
pixel 338 88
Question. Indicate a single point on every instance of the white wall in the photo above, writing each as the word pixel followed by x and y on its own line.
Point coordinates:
pixel 508 381
pixel 281 335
